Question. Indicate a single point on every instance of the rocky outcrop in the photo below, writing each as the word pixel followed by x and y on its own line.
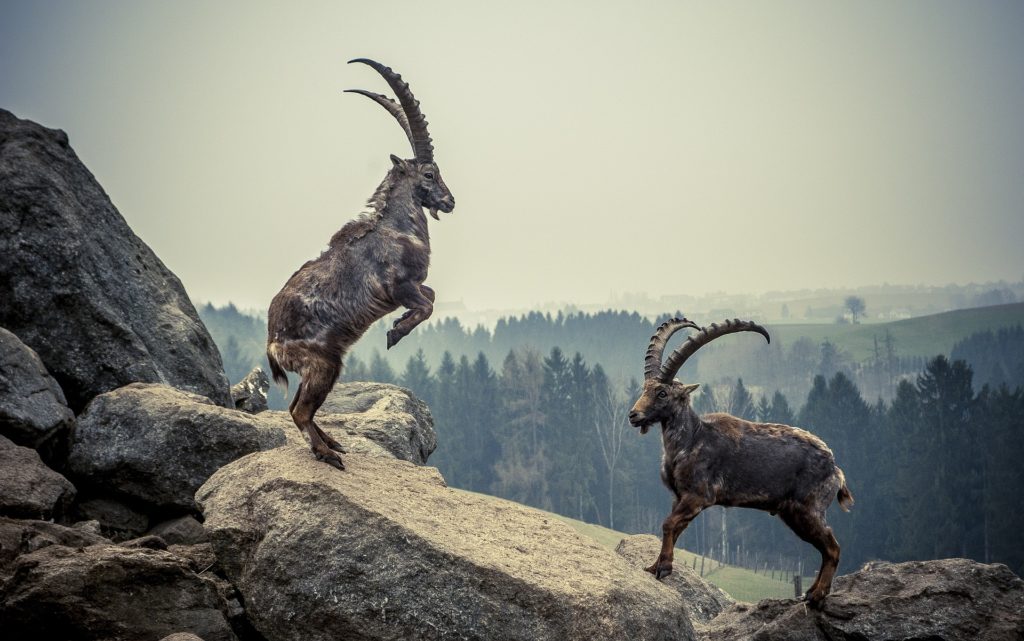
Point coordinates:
pixel 23 536
pixel 945 599
pixel 383 550
pixel 117 520
pixel 184 530
pixel 703 600
pixel 81 289
pixel 33 411
pixel 155 445
pixel 373 419
pixel 109 592
pixel 385 414
pixel 29 489
pixel 250 393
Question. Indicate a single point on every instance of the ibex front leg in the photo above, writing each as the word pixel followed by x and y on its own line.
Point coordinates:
pixel 685 509
pixel 419 299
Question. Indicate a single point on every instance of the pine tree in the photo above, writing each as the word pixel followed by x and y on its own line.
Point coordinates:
pixel 742 403
pixel 417 378
pixel 380 369
pixel 780 412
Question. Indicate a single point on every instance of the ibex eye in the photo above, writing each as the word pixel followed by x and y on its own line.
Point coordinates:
pixel 429 175
pixel 662 394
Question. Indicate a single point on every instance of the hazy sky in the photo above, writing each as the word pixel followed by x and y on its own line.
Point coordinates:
pixel 592 147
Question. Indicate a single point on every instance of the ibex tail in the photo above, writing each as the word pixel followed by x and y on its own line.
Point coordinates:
pixel 844 495
pixel 280 377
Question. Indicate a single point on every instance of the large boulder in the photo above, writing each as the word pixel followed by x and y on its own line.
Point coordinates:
pixel 22 536
pixel 33 410
pixel 155 445
pixel 383 550
pixel 250 393
pixel 109 592
pixel 945 599
pixel 80 288
pixel 703 600
pixel 29 489
pixel 386 414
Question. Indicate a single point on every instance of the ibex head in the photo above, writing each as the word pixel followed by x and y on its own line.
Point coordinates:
pixel 663 396
pixel 429 189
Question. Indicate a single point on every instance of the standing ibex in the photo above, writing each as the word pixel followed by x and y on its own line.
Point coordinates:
pixel 373 265
pixel 718 459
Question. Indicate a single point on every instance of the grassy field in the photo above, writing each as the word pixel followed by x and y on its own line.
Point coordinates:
pixel 742 584
pixel 922 336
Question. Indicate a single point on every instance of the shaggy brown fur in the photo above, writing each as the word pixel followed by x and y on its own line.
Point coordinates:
pixel 373 265
pixel 719 459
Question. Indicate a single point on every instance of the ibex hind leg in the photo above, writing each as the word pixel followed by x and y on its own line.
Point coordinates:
pixel 811 527
pixel 317 380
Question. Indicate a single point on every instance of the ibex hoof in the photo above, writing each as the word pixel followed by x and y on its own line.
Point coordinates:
pixel 814 601
pixel 331 459
pixel 393 337
pixel 660 570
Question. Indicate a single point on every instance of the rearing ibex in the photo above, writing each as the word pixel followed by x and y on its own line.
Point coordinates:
pixel 373 265
pixel 718 459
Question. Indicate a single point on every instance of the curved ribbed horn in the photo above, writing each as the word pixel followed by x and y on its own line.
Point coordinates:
pixel 393 107
pixel 652 360
pixel 418 135
pixel 702 338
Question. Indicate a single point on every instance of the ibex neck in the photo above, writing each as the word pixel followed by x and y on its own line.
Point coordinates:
pixel 678 431
pixel 402 213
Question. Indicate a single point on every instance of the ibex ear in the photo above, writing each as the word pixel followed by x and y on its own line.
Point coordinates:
pixel 691 388
pixel 399 163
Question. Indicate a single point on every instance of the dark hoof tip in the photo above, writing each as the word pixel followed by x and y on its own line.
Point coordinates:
pixel 814 603
pixel 334 461
pixel 393 338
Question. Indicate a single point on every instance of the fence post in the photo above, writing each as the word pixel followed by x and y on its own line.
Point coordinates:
pixel 798 590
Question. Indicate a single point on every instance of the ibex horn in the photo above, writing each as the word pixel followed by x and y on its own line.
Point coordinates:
pixel 415 124
pixel 702 338
pixel 652 361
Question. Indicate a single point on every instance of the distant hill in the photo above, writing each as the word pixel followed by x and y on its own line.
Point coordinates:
pixel 923 336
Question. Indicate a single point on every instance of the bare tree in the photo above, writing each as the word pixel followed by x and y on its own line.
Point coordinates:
pixel 611 426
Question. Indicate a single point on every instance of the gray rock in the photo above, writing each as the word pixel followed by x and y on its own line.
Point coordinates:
pixel 344 429
pixel 945 599
pixel 109 592
pixel 32 406
pixel 184 530
pixel 383 550
pixel 22 536
pixel 117 520
pixel 200 556
pixel 88 527
pixel 156 445
pixel 80 288
pixel 703 600
pixel 181 636
pixel 29 489
pixel 250 393
pixel 386 414
pixel 149 541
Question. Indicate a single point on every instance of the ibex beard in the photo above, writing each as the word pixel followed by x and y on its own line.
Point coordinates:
pixel 718 459
pixel 372 266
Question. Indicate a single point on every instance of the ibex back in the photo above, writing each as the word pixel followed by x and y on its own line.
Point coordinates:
pixel 373 265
